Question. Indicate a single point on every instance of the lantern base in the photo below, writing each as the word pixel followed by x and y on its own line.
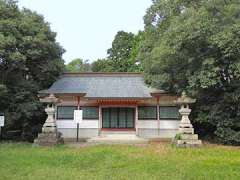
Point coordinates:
pixel 187 140
pixel 49 139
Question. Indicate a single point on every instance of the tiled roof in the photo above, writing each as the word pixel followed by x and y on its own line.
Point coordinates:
pixel 101 85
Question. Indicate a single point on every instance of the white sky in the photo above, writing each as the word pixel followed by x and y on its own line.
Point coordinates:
pixel 86 28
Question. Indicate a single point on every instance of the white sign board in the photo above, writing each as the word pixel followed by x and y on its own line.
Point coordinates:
pixel 78 116
pixel 1 120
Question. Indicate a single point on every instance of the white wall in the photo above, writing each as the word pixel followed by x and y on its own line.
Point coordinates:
pixel 71 124
pixel 153 124
pixel 169 124
pixel 148 124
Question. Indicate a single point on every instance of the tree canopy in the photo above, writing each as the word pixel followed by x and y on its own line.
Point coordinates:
pixel 30 60
pixel 194 46
pixel 78 65
pixel 122 56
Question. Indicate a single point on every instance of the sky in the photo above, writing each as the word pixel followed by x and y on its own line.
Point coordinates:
pixel 86 28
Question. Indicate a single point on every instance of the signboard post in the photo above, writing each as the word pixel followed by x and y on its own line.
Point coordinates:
pixel 78 120
pixel 1 123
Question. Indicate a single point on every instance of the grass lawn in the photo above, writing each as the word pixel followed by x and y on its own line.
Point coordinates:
pixel 155 161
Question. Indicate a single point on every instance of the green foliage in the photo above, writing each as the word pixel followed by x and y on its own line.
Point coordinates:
pixel 102 65
pixel 194 46
pixel 178 136
pixel 78 65
pixel 122 56
pixel 121 46
pixel 30 60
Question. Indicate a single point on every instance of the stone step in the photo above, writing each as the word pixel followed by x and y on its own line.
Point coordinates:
pixel 189 141
pixel 119 136
pixel 117 139
pixel 196 143
pixel 48 135
pixel 117 132
pixel 46 143
pixel 189 137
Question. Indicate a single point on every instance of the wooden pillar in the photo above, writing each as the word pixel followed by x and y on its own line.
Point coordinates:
pixel 158 116
pixel 99 119
pixel 136 119
pixel 78 107
pixel 78 102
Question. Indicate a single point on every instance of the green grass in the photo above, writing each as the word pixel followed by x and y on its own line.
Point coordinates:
pixel 155 161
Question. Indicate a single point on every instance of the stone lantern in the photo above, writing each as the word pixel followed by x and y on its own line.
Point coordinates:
pixel 186 136
pixel 49 136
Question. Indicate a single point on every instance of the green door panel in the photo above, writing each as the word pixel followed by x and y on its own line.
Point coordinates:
pixel 122 117
pixel 130 118
pixel 105 118
pixel 118 117
pixel 114 118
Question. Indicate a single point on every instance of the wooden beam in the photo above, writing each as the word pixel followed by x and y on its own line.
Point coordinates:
pixel 117 102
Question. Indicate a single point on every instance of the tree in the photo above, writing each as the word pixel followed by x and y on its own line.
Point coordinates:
pixel 194 46
pixel 78 65
pixel 30 60
pixel 102 65
pixel 123 55
pixel 120 52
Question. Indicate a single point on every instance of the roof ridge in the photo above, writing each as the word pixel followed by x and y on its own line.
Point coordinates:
pixel 102 74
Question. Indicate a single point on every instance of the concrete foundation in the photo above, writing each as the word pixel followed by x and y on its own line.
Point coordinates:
pixel 155 133
pixel 71 133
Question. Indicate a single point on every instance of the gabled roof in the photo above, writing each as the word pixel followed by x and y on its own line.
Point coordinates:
pixel 101 85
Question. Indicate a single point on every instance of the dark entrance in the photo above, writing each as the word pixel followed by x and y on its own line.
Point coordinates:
pixel 118 117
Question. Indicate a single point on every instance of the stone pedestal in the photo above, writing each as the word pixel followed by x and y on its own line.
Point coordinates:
pixel 186 136
pixel 49 135
pixel 187 140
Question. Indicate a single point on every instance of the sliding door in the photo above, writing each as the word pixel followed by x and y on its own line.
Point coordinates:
pixel 118 117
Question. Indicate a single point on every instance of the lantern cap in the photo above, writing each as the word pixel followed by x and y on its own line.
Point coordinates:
pixel 184 99
pixel 51 99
